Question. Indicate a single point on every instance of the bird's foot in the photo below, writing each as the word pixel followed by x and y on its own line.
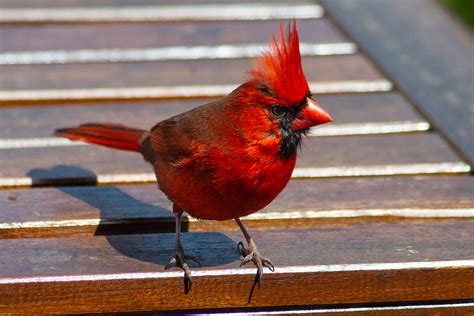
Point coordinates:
pixel 253 254
pixel 179 260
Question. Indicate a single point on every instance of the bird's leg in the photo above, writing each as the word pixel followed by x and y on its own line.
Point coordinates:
pixel 252 254
pixel 179 258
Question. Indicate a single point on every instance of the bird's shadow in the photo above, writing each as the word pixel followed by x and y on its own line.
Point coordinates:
pixel 139 237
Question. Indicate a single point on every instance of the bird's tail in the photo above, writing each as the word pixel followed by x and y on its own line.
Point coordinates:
pixel 108 135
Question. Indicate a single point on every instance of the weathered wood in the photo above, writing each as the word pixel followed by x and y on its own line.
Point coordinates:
pixel 81 164
pixel 337 242
pixel 334 265
pixel 69 211
pixel 436 74
pixel 20 122
pixel 167 73
pixel 170 13
pixel 99 36
pixel 172 92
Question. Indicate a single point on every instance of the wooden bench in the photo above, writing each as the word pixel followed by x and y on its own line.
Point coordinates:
pixel 378 219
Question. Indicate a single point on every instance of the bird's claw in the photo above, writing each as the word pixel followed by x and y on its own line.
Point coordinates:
pixel 251 254
pixel 179 260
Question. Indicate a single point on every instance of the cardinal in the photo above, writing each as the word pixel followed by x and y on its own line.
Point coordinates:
pixel 231 157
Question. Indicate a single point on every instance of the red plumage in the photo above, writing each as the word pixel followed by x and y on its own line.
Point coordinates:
pixel 109 135
pixel 231 157
pixel 280 67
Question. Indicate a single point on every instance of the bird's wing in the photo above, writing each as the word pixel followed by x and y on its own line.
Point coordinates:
pixel 165 142
pixel 176 139
pixel 189 135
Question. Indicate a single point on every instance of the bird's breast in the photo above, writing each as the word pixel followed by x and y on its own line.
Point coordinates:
pixel 217 186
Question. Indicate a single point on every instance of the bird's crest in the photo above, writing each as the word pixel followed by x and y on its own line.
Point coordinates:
pixel 280 67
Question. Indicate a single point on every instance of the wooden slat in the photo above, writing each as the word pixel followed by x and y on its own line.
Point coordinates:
pixel 322 157
pixel 364 263
pixel 355 245
pixel 100 36
pixel 21 122
pixel 374 150
pixel 436 75
pixel 69 211
pixel 164 13
pixel 172 92
pixel 121 3
pixel 189 72
pixel 84 56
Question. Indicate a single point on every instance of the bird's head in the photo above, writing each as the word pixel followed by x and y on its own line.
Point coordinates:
pixel 280 73
pixel 279 87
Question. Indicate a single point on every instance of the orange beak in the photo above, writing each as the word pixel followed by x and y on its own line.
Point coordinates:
pixel 312 114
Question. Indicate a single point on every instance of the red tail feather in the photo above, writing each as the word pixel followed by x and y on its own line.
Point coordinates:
pixel 108 135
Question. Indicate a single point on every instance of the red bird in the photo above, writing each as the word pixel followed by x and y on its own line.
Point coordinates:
pixel 228 158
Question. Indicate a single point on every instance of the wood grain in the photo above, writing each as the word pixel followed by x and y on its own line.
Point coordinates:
pixel 22 122
pixel 434 74
pixel 332 265
pixel 81 164
pixel 168 73
pixel 118 3
pixel 87 211
pixel 24 37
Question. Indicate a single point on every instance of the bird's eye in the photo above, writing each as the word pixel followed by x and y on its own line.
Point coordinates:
pixel 278 110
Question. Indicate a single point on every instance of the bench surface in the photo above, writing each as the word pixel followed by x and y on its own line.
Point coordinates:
pixel 377 219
